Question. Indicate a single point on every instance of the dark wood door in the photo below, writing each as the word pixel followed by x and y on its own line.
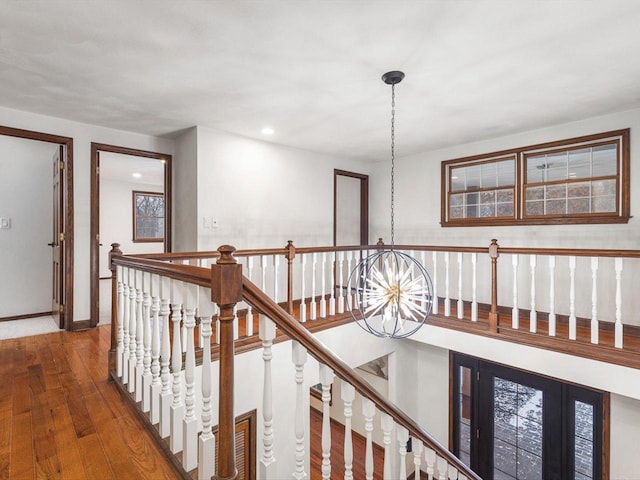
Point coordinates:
pixel 57 303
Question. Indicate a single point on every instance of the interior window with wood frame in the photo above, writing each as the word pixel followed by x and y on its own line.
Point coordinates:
pixel 579 180
pixel 148 216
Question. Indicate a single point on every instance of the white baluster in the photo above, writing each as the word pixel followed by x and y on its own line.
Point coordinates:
pixel 206 441
pixel 460 304
pixel 348 395
pixel 154 388
pixel 386 422
pixel 303 301
pixel 263 271
pixel 312 305
pixel 249 314
pixel 299 358
pixel 126 314
pixel 323 300
pixel 594 300
pixel 447 300
pixel 276 264
pixel 177 406
pixel 515 314
pixel 146 356
pixel 416 445
pixel 474 287
pixel 332 298
pixel 533 314
pixel 572 298
pixel 403 438
pixel 190 421
pixel 166 397
pixel 267 332
pixel 618 328
pixel 348 293
pixel 442 469
pixel 132 331
pixel 552 296
pixel 139 368
pixel 430 459
pixel 434 256
pixel 326 379
pixel 341 277
pixel 120 317
pixel 236 323
pixel 368 411
pixel 453 473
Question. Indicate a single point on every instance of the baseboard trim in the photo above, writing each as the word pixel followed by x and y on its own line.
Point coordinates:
pixel 27 315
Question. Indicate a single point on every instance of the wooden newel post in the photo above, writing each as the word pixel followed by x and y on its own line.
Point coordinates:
pixel 226 291
pixel 290 255
pixel 493 313
pixel 115 251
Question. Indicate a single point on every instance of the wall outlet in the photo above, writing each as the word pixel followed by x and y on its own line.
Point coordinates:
pixel 214 223
pixel 5 223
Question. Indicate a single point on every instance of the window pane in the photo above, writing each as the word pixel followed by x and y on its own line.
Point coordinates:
pixel 489 175
pixel 556 167
pixel 506 173
pixel 605 160
pixel 555 207
pixel 457 179
pixel 464 414
pixel 473 174
pixel 556 191
pixel 580 163
pixel 584 417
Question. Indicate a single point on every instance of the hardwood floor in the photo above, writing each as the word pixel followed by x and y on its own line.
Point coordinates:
pixel 61 419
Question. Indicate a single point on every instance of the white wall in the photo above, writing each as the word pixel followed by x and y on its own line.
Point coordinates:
pixel 116 220
pixel 83 135
pixel 417 195
pixel 185 192
pixel 26 198
pixel 262 194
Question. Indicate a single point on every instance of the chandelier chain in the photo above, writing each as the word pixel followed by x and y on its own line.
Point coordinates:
pixel 393 145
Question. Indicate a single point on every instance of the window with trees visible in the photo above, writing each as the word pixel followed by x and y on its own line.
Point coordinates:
pixel 580 180
pixel 148 217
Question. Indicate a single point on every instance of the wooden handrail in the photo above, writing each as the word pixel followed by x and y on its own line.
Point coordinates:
pixel 289 325
pixel 184 273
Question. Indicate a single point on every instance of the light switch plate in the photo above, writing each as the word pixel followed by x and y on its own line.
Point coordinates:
pixel 5 223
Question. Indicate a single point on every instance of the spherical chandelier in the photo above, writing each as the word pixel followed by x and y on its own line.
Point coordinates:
pixel 392 291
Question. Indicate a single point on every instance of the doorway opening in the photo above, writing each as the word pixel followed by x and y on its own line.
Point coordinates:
pixel 58 242
pixel 131 206
pixel 350 208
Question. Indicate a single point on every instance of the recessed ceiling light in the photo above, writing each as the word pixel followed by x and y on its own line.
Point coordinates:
pixel 136 175
pixel 267 131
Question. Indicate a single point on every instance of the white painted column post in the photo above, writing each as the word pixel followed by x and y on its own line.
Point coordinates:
pixel 303 301
pixel 386 423
pixel 515 313
pixel 299 357
pixel 348 395
pixel 165 358
pixel 146 357
pixel 139 335
pixel 403 438
pixel 312 305
pixel 332 288
pixel 341 277
pixel 416 446
pixel 369 410
pixel 460 303
pixel 249 314
pixel 154 388
pixel 552 296
pixel 206 441
pixel 177 406
pixel 430 459
pixel 434 256
pixel 572 298
pixel 447 300
pixel 474 287
pixel 594 300
pixel 323 301
pixel 132 332
pixel 190 421
pixel 267 332
pixel 326 379
pixel 120 313
pixel 533 314
pixel 618 328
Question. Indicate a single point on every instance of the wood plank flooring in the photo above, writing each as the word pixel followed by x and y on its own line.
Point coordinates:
pixel 61 419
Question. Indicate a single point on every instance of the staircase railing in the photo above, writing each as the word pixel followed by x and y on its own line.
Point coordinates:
pixel 156 309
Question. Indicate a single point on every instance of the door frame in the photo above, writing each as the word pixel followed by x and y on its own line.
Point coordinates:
pixel 364 203
pixel 96 148
pixel 66 314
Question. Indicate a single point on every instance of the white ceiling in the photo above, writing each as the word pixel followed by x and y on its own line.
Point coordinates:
pixel 121 168
pixel 311 69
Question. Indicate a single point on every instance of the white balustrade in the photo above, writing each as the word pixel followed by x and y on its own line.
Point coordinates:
pixel 416 446
pixel 341 284
pixel 276 271
pixel 332 288
pixel 323 300
pixel 442 469
pixel 267 332
pixel 177 406
pixel 430 460
pixel 190 421
pixel 120 318
pixel 348 293
pixel 249 314
pixel 533 314
pixel 594 300
pixel 618 327
pixel 368 411
pixel 572 298
pixel 125 325
pixel 138 369
pixel 299 358
pixel 206 441
pixel 460 304
pixel 348 394
pixel 326 380
pixel 132 332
